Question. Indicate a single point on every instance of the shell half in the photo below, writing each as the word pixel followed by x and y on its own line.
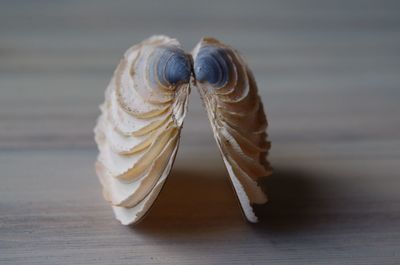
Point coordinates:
pixel 229 92
pixel 138 131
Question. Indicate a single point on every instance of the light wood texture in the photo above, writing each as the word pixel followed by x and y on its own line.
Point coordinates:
pixel 329 76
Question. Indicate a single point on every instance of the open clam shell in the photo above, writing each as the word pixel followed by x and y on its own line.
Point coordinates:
pixel 145 104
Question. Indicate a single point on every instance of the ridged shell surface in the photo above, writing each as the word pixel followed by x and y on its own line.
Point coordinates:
pixel 139 128
pixel 236 114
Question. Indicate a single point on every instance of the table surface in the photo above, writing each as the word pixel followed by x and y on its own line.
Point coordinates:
pixel 329 76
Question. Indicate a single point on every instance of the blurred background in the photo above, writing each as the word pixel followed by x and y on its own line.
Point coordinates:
pixel 325 69
pixel 329 76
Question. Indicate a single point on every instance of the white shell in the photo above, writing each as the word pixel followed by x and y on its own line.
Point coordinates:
pixel 236 114
pixel 138 131
pixel 145 103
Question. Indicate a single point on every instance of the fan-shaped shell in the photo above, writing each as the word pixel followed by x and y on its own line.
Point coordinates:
pixel 236 113
pixel 138 130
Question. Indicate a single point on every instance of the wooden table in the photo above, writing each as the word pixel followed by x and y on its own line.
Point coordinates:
pixel 329 75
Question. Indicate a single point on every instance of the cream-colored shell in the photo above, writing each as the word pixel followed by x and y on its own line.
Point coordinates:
pixel 138 132
pixel 239 125
pixel 139 128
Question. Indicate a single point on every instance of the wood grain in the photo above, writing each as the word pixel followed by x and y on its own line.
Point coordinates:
pixel 329 76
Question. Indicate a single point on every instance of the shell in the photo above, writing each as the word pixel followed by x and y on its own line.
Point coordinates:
pixel 145 104
pixel 138 131
pixel 236 114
